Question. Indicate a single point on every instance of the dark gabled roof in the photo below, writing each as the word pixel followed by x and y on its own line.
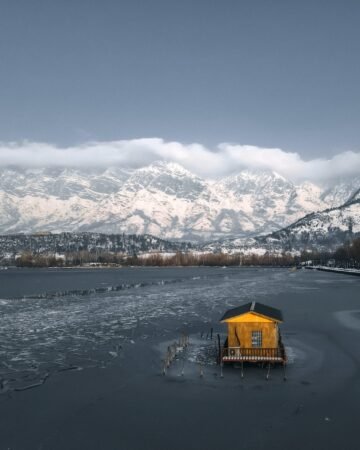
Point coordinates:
pixel 255 307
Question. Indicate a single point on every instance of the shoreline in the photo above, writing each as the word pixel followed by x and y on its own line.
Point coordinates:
pixel 354 272
pixel 262 266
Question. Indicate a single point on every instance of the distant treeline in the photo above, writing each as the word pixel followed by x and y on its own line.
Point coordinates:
pixel 83 257
pixel 155 259
pixel 348 254
pixel 212 259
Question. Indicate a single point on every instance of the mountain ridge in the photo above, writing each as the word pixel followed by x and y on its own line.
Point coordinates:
pixel 162 199
pixel 319 231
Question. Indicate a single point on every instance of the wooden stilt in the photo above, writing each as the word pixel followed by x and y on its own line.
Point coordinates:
pixel 220 361
pixel 268 371
pixel 182 368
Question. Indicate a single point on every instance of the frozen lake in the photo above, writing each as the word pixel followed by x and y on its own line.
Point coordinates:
pixel 97 337
pixel 50 321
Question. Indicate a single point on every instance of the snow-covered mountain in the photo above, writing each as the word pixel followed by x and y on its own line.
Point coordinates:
pixel 322 231
pixel 162 199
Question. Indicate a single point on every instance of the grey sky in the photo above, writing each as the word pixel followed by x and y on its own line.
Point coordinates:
pixel 269 73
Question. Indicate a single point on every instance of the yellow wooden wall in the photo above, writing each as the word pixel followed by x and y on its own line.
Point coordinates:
pixel 244 331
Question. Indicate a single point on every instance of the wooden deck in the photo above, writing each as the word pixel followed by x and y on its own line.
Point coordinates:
pixel 240 354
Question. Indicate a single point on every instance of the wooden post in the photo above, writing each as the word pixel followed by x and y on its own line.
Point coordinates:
pixel 169 355
pixel 182 368
pixel 268 372
pixel 201 371
pixel 219 345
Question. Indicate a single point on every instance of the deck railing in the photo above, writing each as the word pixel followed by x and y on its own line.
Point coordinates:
pixel 253 354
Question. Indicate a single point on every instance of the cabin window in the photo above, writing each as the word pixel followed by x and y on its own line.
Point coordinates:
pixel 256 338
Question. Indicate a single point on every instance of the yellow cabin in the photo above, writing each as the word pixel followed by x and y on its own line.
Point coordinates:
pixel 253 334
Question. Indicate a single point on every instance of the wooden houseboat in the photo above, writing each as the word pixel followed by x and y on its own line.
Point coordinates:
pixel 253 335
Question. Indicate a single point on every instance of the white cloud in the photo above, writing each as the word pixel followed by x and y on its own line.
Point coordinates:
pixel 226 158
pixel 292 165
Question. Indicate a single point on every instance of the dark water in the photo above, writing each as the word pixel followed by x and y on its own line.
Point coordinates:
pixel 81 351
pixel 17 283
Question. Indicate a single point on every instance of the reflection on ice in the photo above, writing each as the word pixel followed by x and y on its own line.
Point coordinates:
pixel 349 319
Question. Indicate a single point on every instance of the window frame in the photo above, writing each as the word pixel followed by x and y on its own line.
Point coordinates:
pixel 256 339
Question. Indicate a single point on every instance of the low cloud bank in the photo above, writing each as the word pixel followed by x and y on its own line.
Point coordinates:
pixel 135 153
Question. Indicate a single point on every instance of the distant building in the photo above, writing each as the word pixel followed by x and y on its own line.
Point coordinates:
pixel 42 233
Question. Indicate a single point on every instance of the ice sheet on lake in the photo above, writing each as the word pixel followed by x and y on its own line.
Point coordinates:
pixel 41 335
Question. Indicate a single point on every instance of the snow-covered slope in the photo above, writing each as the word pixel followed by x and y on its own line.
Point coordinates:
pixel 162 199
pixel 325 230
pixel 328 228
